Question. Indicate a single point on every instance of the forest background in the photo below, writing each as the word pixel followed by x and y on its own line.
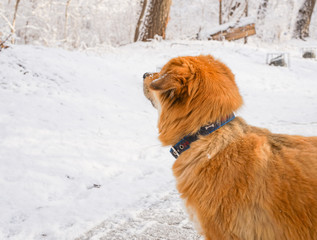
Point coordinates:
pixel 80 24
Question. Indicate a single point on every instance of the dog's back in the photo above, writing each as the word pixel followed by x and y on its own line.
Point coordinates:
pixel 251 184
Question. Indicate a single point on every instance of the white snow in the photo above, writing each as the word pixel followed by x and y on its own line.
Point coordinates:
pixel 79 140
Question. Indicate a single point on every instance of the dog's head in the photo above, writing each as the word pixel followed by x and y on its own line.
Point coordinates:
pixel 190 92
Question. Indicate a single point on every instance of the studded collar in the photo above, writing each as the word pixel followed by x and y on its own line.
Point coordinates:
pixel 184 144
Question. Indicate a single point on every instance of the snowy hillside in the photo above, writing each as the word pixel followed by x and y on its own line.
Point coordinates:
pixel 79 140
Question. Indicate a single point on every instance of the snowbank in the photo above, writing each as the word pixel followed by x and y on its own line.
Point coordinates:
pixel 79 140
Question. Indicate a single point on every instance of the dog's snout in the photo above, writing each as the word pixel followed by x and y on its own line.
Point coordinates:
pixel 146 75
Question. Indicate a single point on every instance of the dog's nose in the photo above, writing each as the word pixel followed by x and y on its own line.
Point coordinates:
pixel 146 74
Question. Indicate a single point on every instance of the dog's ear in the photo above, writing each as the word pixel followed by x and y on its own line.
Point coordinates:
pixel 174 75
pixel 165 82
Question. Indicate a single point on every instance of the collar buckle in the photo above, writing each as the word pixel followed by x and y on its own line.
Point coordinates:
pixel 174 152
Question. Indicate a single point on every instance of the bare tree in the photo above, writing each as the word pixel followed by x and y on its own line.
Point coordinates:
pixel 220 12
pixel 303 19
pixel 2 43
pixel 232 10
pixel 153 19
pixel 66 18
pixel 14 19
pixel 262 9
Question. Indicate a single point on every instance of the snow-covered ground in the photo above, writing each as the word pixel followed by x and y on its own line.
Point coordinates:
pixel 79 155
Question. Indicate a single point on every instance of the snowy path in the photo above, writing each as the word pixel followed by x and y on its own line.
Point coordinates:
pixel 163 219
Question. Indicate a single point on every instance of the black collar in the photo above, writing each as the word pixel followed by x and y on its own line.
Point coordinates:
pixel 184 144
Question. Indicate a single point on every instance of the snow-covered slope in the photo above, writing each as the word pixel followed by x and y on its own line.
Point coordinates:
pixel 79 140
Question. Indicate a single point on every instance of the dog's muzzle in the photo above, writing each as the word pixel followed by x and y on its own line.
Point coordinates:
pixel 146 89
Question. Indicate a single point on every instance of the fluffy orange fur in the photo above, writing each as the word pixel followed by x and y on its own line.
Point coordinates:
pixel 240 182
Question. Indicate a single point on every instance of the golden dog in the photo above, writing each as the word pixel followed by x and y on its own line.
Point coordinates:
pixel 239 181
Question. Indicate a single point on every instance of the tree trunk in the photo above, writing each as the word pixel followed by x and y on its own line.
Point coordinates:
pixel 141 19
pixel 153 19
pixel 246 11
pixel 232 10
pixel 303 19
pixel 13 21
pixel 220 12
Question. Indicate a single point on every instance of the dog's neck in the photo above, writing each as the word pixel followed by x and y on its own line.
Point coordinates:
pixel 184 143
